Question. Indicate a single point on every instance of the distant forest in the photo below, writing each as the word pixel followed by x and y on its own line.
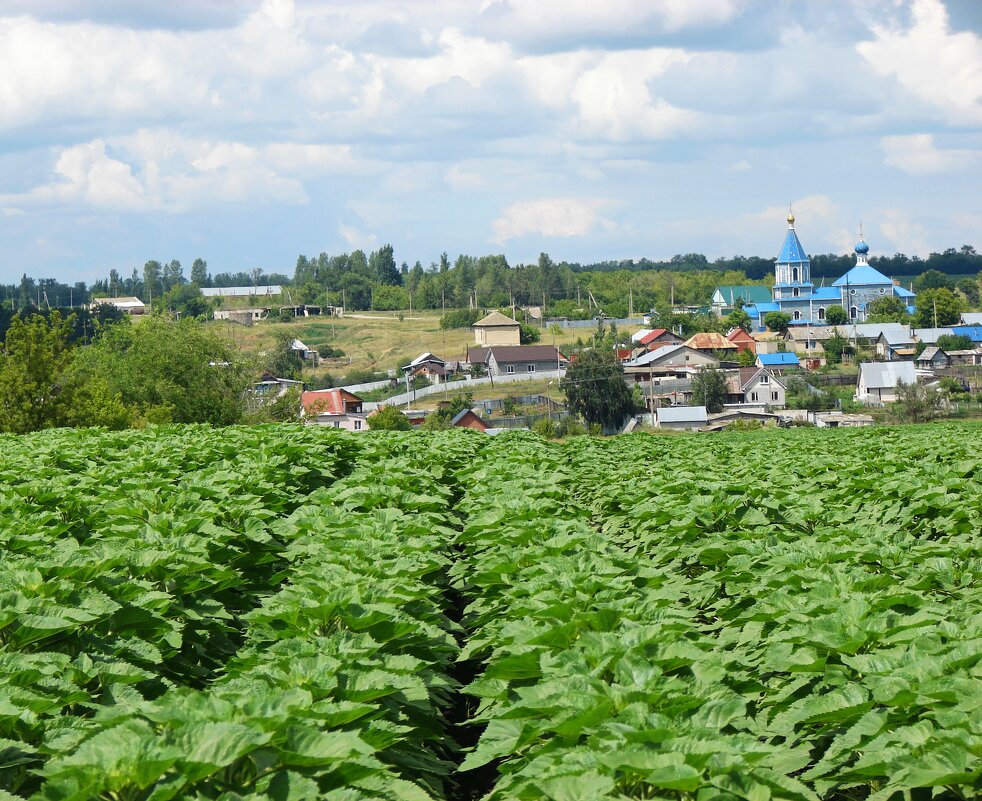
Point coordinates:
pixel 375 281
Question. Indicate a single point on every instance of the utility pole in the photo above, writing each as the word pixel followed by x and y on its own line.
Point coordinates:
pixel 630 301
pixel 935 312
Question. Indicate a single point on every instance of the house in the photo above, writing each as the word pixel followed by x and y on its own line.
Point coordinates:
pixel 711 342
pixel 680 417
pixel 657 337
pixel 725 298
pixel 337 408
pixel 742 340
pixel 496 329
pixel 466 418
pixel 767 341
pixel 718 422
pixel 130 305
pixel 432 367
pixel 518 359
pixel 755 385
pixel 305 353
pixel 930 336
pixel 639 334
pixel 895 344
pixel 809 339
pixel 973 332
pixel 668 359
pixel 932 358
pixel 778 362
pixel 878 381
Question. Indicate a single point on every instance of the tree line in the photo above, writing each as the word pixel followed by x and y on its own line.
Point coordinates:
pixel 375 281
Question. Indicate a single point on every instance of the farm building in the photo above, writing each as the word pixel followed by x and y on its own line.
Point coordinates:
pixel 932 358
pixel 878 381
pixel 680 417
pixel 241 291
pixel 130 305
pixel 496 329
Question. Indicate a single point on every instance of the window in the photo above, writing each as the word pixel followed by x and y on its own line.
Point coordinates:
pixel 797 315
pixel 821 312
pixel 357 425
pixel 337 424
pixel 531 368
pixel 510 368
pixel 774 396
pixel 853 312
pixel 794 274
pixel 753 396
pixel 765 379
pixel 794 292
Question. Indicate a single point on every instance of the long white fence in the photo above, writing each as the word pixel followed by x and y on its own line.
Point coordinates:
pixel 368 387
pixel 456 386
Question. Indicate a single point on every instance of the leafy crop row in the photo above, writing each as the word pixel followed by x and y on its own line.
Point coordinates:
pixel 277 613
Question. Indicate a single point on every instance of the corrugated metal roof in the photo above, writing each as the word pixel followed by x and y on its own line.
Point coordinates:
pixel 494 320
pixel 709 340
pixel 505 354
pixel 883 375
pixel 778 359
pixel 241 291
pixel 681 414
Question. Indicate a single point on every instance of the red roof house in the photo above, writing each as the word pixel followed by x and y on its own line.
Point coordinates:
pixel 742 340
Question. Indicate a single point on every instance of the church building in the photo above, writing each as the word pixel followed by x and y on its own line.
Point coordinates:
pixel 796 295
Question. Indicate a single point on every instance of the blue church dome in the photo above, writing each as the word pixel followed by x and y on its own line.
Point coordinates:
pixel 862 247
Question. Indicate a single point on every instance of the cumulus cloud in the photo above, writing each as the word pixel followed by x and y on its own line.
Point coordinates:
pixel 161 171
pixel 547 217
pixel 917 154
pixel 941 67
pixel 905 234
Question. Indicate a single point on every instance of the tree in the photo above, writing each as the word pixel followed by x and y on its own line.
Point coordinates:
pixel 739 319
pixel 595 389
pixel 199 272
pixel 836 315
pixel 187 301
pixel 388 418
pixel 777 321
pixel 441 418
pixel 969 287
pixel 34 357
pixel 916 403
pixel 950 342
pixel 382 266
pixel 529 334
pixel 746 358
pixel 709 389
pixel 834 347
pixel 932 279
pixel 937 308
pixel 282 360
pixel 151 280
pixel 167 371
pixel 888 309
pixel 173 274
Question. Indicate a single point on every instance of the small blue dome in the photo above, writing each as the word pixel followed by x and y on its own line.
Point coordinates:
pixel 862 247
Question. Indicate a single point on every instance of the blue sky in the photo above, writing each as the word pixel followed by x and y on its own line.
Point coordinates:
pixel 248 131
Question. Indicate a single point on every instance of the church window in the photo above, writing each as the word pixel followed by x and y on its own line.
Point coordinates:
pixel 797 315
pixel 794 274
pixel 853 312
pixel 794 292
pixel 821 312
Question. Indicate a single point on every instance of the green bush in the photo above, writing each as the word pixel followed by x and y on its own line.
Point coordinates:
pixel 460 318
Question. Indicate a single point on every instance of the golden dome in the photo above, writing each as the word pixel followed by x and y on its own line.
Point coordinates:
pixel 790 217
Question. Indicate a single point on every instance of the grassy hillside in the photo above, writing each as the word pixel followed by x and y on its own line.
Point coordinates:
pixel 371 340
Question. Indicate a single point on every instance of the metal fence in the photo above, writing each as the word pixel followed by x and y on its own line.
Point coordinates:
pixel 371 386
pixel 436 389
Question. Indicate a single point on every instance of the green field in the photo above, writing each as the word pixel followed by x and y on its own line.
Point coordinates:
pixel 296 614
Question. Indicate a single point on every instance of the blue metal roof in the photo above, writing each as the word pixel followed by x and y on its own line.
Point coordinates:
pixel 902 292
pixel 863 275
pixel 792 252
pixel 826 293
pixel 973 332
pixel 778 359
pixel 760 309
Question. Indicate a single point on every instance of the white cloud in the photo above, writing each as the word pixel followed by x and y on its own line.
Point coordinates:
pixel 357 239
pixel 906 235
pixel 940 67
pixel 460 180
pixel 740 166
pixel 916 154
pixel 548 217
pixel 159 170
pixel 804 207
